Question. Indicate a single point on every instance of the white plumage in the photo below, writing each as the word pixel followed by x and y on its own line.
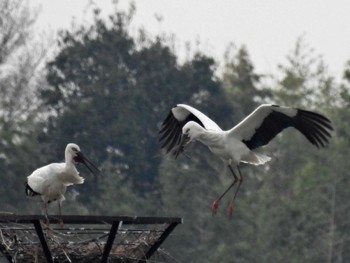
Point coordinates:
pixel 185 124
pixel 51 181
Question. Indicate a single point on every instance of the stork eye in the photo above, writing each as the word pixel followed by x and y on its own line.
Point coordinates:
pixel 187 131
pixel 74 149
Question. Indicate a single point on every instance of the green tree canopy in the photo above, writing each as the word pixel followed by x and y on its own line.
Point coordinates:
pixel 109 93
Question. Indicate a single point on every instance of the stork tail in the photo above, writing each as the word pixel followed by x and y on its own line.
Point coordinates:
pixel 30 191
pixel 256 158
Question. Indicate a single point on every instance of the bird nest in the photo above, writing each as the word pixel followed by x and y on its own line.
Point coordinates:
pixel 88 243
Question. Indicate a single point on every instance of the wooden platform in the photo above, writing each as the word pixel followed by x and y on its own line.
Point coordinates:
pixel 25 238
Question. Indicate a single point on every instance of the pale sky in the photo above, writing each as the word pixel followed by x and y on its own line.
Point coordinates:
pixel 269 28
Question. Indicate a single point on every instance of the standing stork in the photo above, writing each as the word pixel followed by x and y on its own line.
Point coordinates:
pixel 51 181
pixel 185 124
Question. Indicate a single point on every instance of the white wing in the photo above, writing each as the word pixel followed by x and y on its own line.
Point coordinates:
pixel 263 124
pixel 182 111
pixel 171 129
pixel 42 176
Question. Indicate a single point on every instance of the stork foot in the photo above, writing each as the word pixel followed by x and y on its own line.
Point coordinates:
pixel 230 210
pixel 215 207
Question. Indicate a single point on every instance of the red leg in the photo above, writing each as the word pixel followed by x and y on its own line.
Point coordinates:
pixel 231 205
pixel 60 213
pixel 216 202
pixel 46 222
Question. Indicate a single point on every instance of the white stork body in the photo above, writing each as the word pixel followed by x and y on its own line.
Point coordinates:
pixel 225 145
pixel 185 124
pixel 50 182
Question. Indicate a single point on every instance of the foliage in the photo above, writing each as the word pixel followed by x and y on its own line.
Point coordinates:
pixel 109 90
pixel 241 83
pixel 20 73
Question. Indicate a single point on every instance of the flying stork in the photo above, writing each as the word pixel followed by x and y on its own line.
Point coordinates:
pixel 185 124
pixel 50 182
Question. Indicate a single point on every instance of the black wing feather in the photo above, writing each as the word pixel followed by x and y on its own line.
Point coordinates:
pixel 315 127
pixel 30 191
pixel 170 135
pixel 168 123
pixel 171 130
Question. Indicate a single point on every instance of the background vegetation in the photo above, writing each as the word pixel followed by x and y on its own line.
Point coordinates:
pixel 109 91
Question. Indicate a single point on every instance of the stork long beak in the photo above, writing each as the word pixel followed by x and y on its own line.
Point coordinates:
pixel 80 158
pixel 185 139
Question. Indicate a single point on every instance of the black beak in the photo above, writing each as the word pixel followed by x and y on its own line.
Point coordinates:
pixel 183 141
pixel 80 158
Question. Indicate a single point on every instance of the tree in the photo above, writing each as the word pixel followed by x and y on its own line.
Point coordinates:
pixel 21 60
pixel 300 176
pixel 189 186
pixel 241 83
pixel 109 93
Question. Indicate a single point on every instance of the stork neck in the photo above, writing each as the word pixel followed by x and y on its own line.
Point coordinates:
pixel 209 137
pixel 69 160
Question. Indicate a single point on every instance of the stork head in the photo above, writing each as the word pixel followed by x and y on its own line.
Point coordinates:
pixel 73 154
pixel 72 150
pixel 191 131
